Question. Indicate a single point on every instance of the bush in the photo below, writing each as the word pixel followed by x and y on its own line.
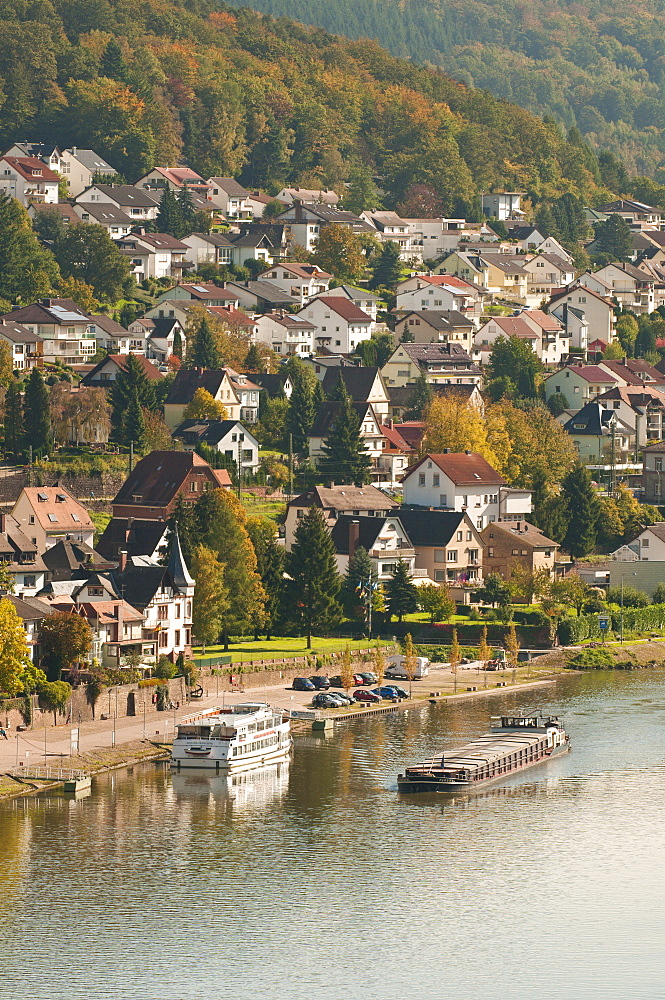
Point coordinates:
pixel 165 668
pixel 632 597
pixel 162 697
pixel 592 659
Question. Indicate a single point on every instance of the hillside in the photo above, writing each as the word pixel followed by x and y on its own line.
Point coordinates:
pixel 235 93
pixel 596 66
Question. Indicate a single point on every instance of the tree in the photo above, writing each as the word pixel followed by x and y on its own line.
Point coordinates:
pixel 580 502
pixel 360 571
pixel 13 419
pixel 273 209
pixel 14 653
pixel 112 63
pixel 410 661
pixel 627 330
pixel 387 271
pixel 513 359
pixel 54 695
pixel 134 431
pixel 36 413
pixel 314 582
pixel 270 567
pixel 28 271
pixel 157 435
pixel 344 458
pixel 401 594
pixel 455 656
pixel 495 591
pixel 341 252
pixel 205 351
pixel 253 360
pixel 211 597
pixel 512 648
pixel 169 216
pixel 64 638
pixel 454 423
pixel 131 384
pixel 302 404
pixel 436 602
pixel 362 193
pixel 346 673
pixel 379 663
pixel 420 399
pixel 204 406
pixel 88 253
pixel 484 648
pixel 187 210
pixel 614 239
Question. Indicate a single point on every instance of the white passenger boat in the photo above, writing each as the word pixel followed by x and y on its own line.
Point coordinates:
pixel 236 738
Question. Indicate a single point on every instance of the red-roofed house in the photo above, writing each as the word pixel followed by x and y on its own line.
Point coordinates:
pixel 107 370
pixel 464 481
pixel 340 324
pixel 544 334
pixel 580 383
pixel 397 453
pixel 151 491
pixel 302 281
pixel 437 292
pixel 28 180
pixel 159 178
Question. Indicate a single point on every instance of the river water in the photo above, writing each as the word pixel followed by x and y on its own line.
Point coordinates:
pixel 318 876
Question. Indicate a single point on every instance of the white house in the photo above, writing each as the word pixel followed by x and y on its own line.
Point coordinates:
pixel 66 331
pixel 115 221
pixel 79 167
pixel 27 348
pixel 27 179
pixel 441 292
pixel 301 281
pixel 286 333
pixel 229 437
pixel 208 248
pixel 544 334
pixel 598 310
pixel 383 538
pixel 464 481
pixel 391 228
pixel 154 255
pixel 230 197
pixel 503 205
pixel 546 272
pixel 629 285
pixel 580 383
pixel 340 324
pixel 360 297
pixel 134 201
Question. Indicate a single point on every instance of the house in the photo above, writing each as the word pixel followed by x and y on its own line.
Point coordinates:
pixel 115 220
pixel 237 321
pixel 134 201
pixel 503 205
pixel 334 501
pixel 598 310
pixel 464 481
pixel 261 296
pixel 117 631
pixel 152 489
pixel 217 382
pixel 507 277
pixel 363 384
pixel 27 349
pixel 545 272
pixel 359 296
pixel 467 265
pixel 300 281
pixel 157 180
pixel 370 431
pixel 633 211
pixel 304 223
pixel 448 546
pixel 383 538
pixel 154 255
pixel 580 383
pixel 277 386
pixel 544 334
pixel 256 203
pixel 320 363
pixel 136 536
pixel 20 555
pixel 157 338
pixel 286 333
pixel 255 246
pixel 64 328
pixel 230 197
pixel 63 210
pixel 392 229
pixel 68 560
pixel 446 364
pixel 629 285
pixel 340 324
pixel 248 394
pixel 438 293
pixel 208 248
pixel 650 543
pixel 47 514
pixel 526 237
pixel 203 293
pixel 309 196
pixel 28 180
pixel 594 428
pixel 398 453
pixel 425 327
pixel 32 613
pixel 634 371
pixel 640 408
pixel 109 335
pixel 512 544
pixel 400 397
pixel 106 371
pixel 653 465
pixel 228 437
pixel 47 152
pixel 79 167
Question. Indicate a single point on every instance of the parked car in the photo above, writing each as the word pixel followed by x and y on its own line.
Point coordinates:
pixel 302 684
pixel 344 698
pixel 368 677
pixel 401 693
pixel 336 681
pixel 358 679
pixel 387 692
pixel 320 682
pixel 363 694
pixel 325 700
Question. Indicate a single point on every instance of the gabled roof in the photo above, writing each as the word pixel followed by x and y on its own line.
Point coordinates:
pixel 635 371
pixel 105 213
pixel 16 333
pixel 159 476
pixel 348 310
pixel 203 291
pixel 514 326
pixel 229 186
pixel 29 609
pixel 124 194
pixel 351 292
pixel 505 262
pixel 26 165
pixel 526 533
pixel 273 384
pixel 290 321
pixel 412 431
pixel 138 536
pixel 465 468
pixel 395 440
pixel 90 159
pixel 214 239
pixel 301 270
pixel 66 559
pixel 440 319
pixel 590 373
pixel 210 431
pixel 359 382
pixel 160 241
pixel 637 396
pixel 188 380
pixel 577 287
pixel 235 317
pixel 267 291
pixel 180 175
pixel 369 528
pixel 592 419
pixel 63 209
pixel 120 361
pixel 109 325
pixel 430 528
pixel 344 498
pixel 327 411
pixel 449 281
pixel 57 510
pixel 544 320
pixel 60 312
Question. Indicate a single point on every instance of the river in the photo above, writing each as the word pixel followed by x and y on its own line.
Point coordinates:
pixel 319 877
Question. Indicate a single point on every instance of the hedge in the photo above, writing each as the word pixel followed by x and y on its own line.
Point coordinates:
pixel 529 636
pixel 649 619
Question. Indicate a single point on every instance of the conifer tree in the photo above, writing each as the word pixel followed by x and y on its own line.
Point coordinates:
pixel 302 406
pixel 314 583
pixel 134 430
pixel 613 239
pixel 211 596
pixel 131 385
pixel 581 506
pixel 401 594
pixel 169 217
pixel 344 457
pixel 359 571
pixel 112 63
pixel 187 210
pixel 270 567
pixel 13 419
pixel 205 352
pixel 387 271
pixel 421 398
pixel 253 361
pixel 36 413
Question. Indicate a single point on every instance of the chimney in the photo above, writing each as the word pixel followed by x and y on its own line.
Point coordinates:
pixel 3 522
pixel 354 534
pixel 446 451
pixel 467 452
pixel 123 560
pixel 118 615
pixel 389 422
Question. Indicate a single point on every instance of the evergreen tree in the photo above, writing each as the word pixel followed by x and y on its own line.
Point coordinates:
pixel 581 505
pixel 131 385
pixel 568 212
pixel 645 341
pixel 187 210
pixel 360 570
pixel 421 398
pixel 13 419
pixel 253 361
pixel 548 511
pixel 112 63
pixel 134 430
pixel 28 271
pixel 36 414
pixel 387 271
pixel 614 239
pixel 169 216
pixel 401 594
pixel 546 223
pixel 362 193
pixel 512 358
pixel 270 567
pixel 205 352
pixel 302 407
pixel 211 596
pixel 314 582
pixel 344 458
pixel 183 517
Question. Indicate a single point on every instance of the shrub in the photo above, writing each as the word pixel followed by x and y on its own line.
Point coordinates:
pixel 593 659
pixel 632 597
pixel 162 697
pixel 165 668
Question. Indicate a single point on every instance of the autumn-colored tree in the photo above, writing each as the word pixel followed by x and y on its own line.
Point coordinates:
pixel 346 669
pixel 379 663
pixel 157 435
pixel 512 647
pixel 14 653
pixel 205 407
pixel 6 364
pixel 454 423
pixel 410 661
pixel 211 597
pixel 79 292
pixel 484 650
pixel 455 657
pixel 341 252
pixel 64 638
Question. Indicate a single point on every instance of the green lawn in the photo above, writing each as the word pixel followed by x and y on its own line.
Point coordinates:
pixel 100 519
pixel 272 510
pixel 281 648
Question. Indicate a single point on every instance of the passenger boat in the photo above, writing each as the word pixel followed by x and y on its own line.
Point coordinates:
pixel 236 738
pixel 513 744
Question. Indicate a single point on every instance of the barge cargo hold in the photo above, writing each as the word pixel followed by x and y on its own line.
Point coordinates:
pixel 513 744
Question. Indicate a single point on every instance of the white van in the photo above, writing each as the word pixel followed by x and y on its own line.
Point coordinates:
pixel 395 668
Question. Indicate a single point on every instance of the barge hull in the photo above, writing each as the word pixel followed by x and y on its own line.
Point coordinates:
pixel 411 785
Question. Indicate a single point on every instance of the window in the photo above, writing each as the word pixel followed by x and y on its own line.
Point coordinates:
pixel 452 555
pixel 439 576
pixel 490 551
pixel 435 480
pixel 439 555
pixel 163 612
pixel 53 518
pixel 516 552
pixel 32 519
pixel 29 581
pixel 443 500
pixel 469 536
pixel 645 543
pixel 163 639
pixel 176 637
pixel 76 518
pixel 421 479
pixel 659 465
pixel 473 555
pixel 193 487
pixel 524 552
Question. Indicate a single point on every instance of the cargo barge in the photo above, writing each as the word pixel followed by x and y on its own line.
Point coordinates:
pixel 513 744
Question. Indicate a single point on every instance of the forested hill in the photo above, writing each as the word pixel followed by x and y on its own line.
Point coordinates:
pixel 595 65
pixel 232 92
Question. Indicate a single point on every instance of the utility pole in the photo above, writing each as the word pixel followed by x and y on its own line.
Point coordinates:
pixel 239 466
pixel 290 465
pixel 131 457
pixel 29 465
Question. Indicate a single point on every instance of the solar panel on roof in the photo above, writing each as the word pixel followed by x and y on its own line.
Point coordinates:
pixel 199 288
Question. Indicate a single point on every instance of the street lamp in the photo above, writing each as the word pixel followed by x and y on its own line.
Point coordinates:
pixel 622 576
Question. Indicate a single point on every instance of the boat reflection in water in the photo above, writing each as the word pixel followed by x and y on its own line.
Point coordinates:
pixel 246 789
